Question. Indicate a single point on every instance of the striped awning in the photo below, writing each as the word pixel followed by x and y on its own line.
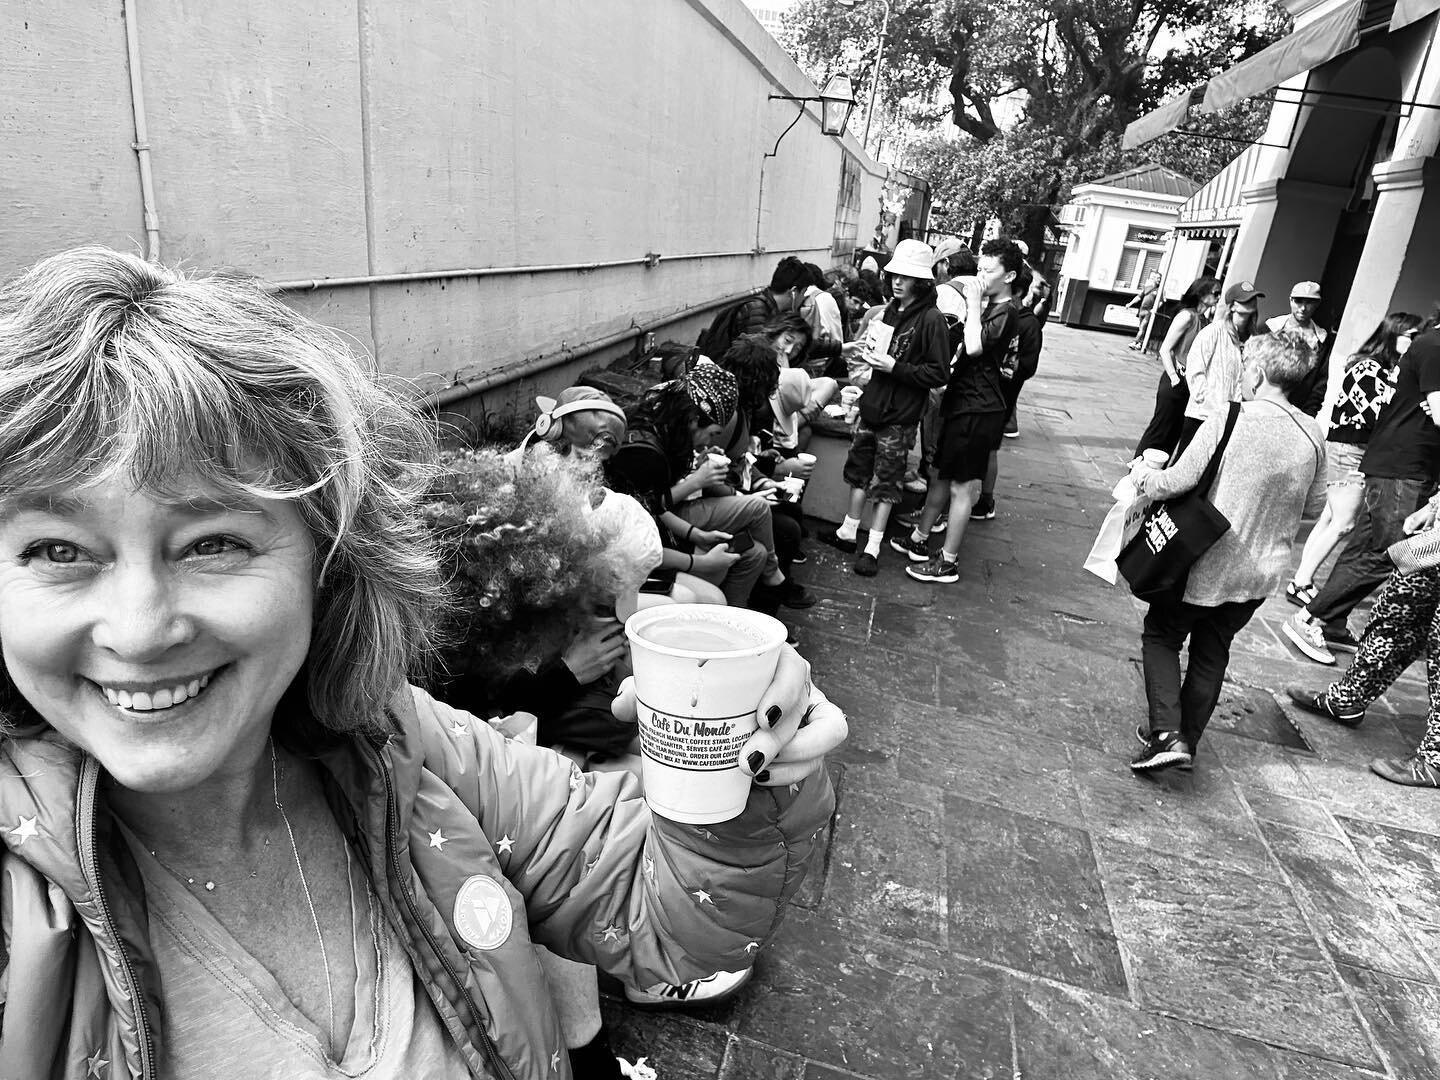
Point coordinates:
pixel 1160 121
pixel 1218 205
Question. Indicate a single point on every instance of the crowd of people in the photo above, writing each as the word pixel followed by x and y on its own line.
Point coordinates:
pixel 1247 392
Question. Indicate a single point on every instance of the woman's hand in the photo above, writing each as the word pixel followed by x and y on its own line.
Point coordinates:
pixel 707 538
pixel 798 724
pixel 717 560
pixel 850 348
pixel 595 651
pixel 710 472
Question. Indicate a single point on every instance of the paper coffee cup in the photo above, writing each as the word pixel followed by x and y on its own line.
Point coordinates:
pixel 850 395
pixel 1155 457
pixel 700 671
pixel 794 485
pixel 805 459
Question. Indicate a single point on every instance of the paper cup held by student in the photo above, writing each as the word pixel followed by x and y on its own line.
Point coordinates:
pixel 794 485
pixel 805 459
pixel 1158 458
pixel 700 671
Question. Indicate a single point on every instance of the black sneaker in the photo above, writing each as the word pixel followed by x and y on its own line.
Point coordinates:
pixel 937 569
pixel 794 595
pixel 867 565
pixel 1320 705
pixel 912 549
pixel 911 521
pixel 1144 738
pixel 832 537
pixel 1340 640
pixel 1164 750
pixel 799 558
pixel 984 509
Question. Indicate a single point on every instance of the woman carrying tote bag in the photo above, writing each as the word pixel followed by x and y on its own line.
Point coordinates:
pixel 1272 471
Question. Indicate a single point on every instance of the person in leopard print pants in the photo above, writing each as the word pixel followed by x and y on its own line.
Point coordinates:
pixel 1404 625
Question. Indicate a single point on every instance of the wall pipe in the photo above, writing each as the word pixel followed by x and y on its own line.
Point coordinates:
pixel 141 145
pixel 440 398
pixel 649 260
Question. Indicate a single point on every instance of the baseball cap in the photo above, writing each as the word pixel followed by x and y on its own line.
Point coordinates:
pixel 946 248
pixel 1305 290
pixel 1241 292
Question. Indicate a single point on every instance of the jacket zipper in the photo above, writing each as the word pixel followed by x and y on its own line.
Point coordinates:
pixel 392 814
pixel 90 867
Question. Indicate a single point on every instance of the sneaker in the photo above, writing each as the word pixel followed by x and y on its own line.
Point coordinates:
pixel 867 565
pixel 1144 738
pixel 1012 427
pixel 794 595
pixel 799 558
pixel 1412 771
pixel 711 990
pixel 914 550
pixel 1308 638
pixel 912 521
pixel 936 568
pixel 1299 595
pixel 1320 705
pixel 835 540
pixel 984 509
pixel 1340 640
pixel 1162 751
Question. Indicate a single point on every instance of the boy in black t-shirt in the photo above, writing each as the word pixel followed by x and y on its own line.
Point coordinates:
pixel 973 413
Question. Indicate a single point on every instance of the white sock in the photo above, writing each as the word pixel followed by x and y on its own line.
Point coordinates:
pixel 872 543
pixel 919 535
pixel 848 528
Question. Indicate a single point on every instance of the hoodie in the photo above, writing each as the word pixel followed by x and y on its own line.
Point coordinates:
pixel 921 348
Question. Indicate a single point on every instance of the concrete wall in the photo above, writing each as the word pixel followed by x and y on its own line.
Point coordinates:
pixel 353 138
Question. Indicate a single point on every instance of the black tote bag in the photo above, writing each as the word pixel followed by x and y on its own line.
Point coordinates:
pixel 1176 532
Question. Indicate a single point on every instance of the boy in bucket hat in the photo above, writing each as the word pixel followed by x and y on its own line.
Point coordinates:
pixel 915 361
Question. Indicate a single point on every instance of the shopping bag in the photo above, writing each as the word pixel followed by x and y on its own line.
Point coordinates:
pixel 1176 532
pixel 1121 524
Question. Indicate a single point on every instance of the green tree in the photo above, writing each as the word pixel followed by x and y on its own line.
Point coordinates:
pixel 1080 69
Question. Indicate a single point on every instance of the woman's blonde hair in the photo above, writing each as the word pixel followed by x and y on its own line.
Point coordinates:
pixel 113 367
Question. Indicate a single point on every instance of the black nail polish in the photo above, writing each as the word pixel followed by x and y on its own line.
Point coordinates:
pixel 772 716
pixel 762 777
pixel 755 760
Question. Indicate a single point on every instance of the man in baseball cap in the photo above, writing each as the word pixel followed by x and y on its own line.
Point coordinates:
pixel 1212 368
pixel 1300 323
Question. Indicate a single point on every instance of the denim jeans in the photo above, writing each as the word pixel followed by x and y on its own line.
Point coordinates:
pixel 1363 564
pixel 1186 707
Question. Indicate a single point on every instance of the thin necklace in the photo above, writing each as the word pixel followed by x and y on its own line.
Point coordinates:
pixel 305 887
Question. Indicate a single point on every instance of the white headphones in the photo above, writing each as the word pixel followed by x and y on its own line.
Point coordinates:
pixel 547 424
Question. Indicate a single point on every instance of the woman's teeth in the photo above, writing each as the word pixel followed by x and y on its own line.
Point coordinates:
pixel 140 701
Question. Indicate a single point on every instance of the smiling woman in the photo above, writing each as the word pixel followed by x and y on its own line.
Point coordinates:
pixel 235 841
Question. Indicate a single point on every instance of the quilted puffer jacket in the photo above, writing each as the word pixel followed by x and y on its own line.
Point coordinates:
pixel 577 859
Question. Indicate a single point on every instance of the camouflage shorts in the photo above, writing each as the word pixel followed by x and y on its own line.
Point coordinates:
pixel 878 458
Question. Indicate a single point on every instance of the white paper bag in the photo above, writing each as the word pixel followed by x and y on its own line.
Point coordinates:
pixel 1120 526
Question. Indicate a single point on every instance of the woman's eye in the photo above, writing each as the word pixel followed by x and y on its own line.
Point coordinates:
pixel 215 545
pixel 55 552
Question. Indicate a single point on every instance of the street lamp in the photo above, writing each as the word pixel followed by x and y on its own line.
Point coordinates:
pixel 879 64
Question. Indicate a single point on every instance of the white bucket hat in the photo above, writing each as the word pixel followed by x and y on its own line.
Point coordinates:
pixel 912 258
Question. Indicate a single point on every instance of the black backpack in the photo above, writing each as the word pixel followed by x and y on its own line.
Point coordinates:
pixel 716 339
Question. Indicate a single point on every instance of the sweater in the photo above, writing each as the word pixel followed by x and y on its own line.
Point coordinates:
pixel 1273 470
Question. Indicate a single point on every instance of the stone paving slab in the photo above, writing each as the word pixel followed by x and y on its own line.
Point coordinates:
pixel 1000 897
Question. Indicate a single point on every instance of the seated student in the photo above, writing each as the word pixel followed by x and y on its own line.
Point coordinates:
pixel 584 422
pixel 656 464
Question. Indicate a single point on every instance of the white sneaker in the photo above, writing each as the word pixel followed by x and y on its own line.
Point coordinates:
pixel 711 990
pixel 1308 637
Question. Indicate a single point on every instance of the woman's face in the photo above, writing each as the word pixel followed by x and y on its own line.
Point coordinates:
pixel 156 635
pixel 703 434
pixel 594 435
pixel 787 343
pixel 1207 304
pixel 1403 341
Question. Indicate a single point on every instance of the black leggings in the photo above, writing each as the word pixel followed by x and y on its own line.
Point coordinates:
pixel 1164 430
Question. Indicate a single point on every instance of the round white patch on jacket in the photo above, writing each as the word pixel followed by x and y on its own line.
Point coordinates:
pixel 482 913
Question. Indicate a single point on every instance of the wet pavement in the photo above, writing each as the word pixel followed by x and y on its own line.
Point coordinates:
pixel 1000 897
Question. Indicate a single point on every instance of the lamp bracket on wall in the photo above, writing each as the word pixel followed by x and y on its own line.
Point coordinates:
pixel 786 97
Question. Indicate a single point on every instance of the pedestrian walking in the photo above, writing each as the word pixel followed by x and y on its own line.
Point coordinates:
pixel 1400 464
pixel 1368 384
pixel 1272 469
pixel 1300 322
pixel 1212 367
pixel 1144 303
pixel 1197 308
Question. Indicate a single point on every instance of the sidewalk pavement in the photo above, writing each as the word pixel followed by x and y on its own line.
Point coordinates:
pixel 1000 897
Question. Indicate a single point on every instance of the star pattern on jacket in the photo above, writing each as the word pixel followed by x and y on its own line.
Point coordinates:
pixel 795 788
pixel 751 946
pixel 611 933
pixel 649 868
pixel 702 897
pixel 25 829
pixel 504 845
pixel 590 865
pixel 459 729
pixel 577 781
pixel 438 839
pixel 94 1063
pixel 706 833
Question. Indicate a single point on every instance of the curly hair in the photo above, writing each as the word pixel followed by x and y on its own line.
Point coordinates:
pixel 111 367
pixel 667 412
pixel 751 359
pixel 525 563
